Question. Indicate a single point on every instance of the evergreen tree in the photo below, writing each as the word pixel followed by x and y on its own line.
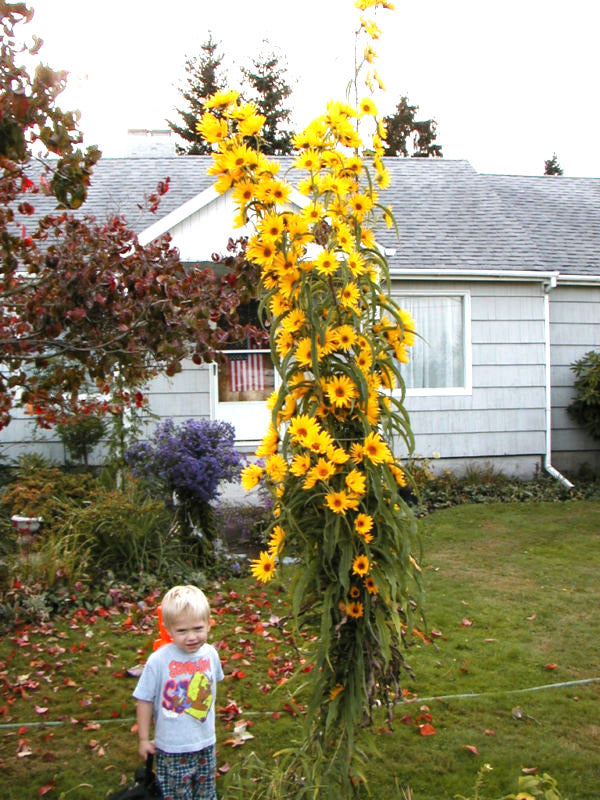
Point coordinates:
pixel 407 136
pixel 203 80
pixel 552 167
pixel 269 90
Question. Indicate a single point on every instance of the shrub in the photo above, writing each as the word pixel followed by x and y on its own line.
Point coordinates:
pixel 80 435
pixel 585 409
pixel 125 532
pixel 41 489
pixel 189 462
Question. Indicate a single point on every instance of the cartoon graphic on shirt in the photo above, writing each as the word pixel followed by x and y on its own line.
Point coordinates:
pixel 192 695
pixel 199 692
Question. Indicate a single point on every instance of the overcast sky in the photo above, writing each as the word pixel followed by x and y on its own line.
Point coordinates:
pixel 509 83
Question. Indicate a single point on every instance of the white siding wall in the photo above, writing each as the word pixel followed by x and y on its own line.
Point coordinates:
pixel 184 396
pixel 503 420
pixel 575 330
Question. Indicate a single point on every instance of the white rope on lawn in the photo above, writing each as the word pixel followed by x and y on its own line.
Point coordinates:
pixel 467 695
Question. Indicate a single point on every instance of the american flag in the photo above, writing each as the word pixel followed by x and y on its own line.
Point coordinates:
pixel 246 372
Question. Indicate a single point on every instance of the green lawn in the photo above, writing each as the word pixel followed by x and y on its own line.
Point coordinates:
pixel 512 598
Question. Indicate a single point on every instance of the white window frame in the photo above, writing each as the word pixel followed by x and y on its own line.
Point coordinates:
pixel 465 297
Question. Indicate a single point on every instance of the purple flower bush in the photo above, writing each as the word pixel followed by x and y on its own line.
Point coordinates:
pixel 191 459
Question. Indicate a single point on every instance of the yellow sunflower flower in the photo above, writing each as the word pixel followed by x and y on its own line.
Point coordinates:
pixel 261 252
pixel 337 689
pixel 337 455
pixel 268 446
pixel 363 524
pixel 263 567
pixel 243 192
pixel 293 321
pixel 284 341
pixel 303 352
pixel 276 540
pixel 356 481
pixel 251 125
pixel 276 467
pixel 398 474
pixel 349 296
pixel 300 464
pixel 357 452
pixel 367 106
pixel 346 336
pixel 341 391
pixel 250 476
pixel 364 360
pixel 326 263
pixel 360 565
pixel 211 128
pixel 355 609
pixel 376 450
pixel 371 586
pixel 318 441
pixel 302 426
pixel 340 502
pixel 221 98
pixel 322 471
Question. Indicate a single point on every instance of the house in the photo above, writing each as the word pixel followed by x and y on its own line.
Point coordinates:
pixel 502 274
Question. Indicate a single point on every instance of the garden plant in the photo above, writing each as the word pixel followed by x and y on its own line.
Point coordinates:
pixel 337 341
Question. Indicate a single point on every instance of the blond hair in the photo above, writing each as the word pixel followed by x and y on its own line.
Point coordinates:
pixel 182 600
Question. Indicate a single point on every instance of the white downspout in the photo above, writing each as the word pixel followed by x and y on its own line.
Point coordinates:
pixel 551 284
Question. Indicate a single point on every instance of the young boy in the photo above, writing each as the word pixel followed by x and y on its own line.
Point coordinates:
pixel 178 689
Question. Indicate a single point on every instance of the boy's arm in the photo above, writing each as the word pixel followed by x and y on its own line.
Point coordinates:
pixel 144 720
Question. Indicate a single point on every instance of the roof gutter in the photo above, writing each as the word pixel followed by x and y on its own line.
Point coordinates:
pixel 548 454
pixel 549 277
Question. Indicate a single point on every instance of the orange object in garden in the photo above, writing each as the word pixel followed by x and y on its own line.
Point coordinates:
pixel 164 636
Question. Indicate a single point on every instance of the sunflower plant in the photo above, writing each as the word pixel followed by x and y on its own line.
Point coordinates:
pixel 328 456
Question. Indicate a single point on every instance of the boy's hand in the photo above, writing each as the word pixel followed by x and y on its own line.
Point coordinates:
pixel 146 748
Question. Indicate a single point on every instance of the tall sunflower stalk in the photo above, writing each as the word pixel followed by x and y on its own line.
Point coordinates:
pixel 337 342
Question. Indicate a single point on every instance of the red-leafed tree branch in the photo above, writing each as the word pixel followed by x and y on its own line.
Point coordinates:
pixel 85 309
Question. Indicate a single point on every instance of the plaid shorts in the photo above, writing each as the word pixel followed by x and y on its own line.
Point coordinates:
pixel 187 776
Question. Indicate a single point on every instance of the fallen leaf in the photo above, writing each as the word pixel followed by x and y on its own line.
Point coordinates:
pixel 471 748
pixel 466 623
pixel 529 770
pixel 532 617
pixel 48 787
pixel 240 734
pixel 549 666
pixel 427 729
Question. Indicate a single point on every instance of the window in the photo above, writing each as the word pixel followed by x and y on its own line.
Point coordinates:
pixel 249 373
pixel 440 361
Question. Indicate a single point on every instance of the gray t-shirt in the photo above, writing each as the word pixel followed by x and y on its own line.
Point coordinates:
pixel 182 688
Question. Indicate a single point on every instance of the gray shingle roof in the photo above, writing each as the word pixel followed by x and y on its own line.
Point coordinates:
pixel 448 215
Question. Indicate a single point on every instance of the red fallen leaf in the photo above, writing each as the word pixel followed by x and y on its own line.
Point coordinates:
pixel 549 666
pixel 239 674
pixel 48 787
pixel 529 770
pixel 424 718
pixel 427 729
pixel 290 709
pixel 407 719
pixel 489 732
pixel 471 748
pixel 466 623
pixel 276 715
pixel 223 769
pixel 41 709
pixel 266 687
pixel 22 730
pixel 436 634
